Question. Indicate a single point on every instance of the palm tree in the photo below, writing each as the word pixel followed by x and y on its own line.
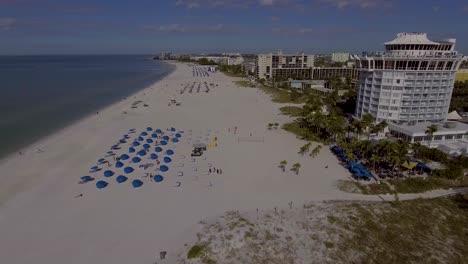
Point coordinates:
pixel 316 151
pixel 367 121
pixel 283 164
pixel 305 148
pixel 296 167
pixel 430 130
pixel 374 158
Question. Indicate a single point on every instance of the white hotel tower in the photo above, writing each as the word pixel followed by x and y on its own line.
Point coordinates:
pixel 411 81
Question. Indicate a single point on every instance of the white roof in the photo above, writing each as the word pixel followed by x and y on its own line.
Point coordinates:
pixel 412 38
pixel 453 116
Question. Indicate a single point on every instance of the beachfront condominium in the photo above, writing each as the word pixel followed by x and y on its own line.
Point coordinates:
pixel 281 66
pixel 340 57
pixel 412 81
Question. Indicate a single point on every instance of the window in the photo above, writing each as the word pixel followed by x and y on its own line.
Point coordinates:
pixel 423 66
pixel 449 65
pixel 379 64
pixel 440 65
pixel 398 81
pixel 401 65
pixel 432 65
pixel 459 136
pixel 389 65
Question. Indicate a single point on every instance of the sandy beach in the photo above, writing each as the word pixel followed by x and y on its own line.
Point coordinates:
pixel 43 221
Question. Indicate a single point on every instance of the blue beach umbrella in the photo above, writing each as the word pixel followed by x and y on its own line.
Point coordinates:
pixel 163 142
pixel 164 168
pixel 175 140
pixel 137 183
pixel 159 131
pixel 128 170
pixel 158 178
pixel 144 133
pixel 136 160
pixel 166 138
pixel 131 150
pixel 167 159
pixel 169 152
pixel 124 157
pixel 149 140
pixel 158 149
pixel 121 179
pixel 177 135
pixel 154 135
pixel 108 173
pixel 94 168
pixel 153 156
pixel 102 160
pixel 136 144
pixel 141 153
pixel 101 184
pixel 173 129
pixel 149 129
pixel 146 146
pixel 119 164
pixel 140 139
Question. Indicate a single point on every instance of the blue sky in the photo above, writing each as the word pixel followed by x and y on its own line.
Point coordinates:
pixel 144 27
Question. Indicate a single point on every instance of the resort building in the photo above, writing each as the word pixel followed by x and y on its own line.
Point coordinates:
pixel 281 66
pixel 332 72
pixel 340 57
pixel 412 81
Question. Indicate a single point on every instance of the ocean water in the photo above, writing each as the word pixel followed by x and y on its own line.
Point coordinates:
pixel 42 94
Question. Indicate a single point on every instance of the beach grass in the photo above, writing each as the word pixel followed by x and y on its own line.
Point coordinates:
pixel 407 185
pixel 283 96
pixel 462 76
pixel 293 111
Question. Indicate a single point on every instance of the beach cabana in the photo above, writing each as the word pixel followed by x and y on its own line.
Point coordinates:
pixel 126 136
pixel 101 161
pixel 163 168
pixel 169 152
pixel 94 169
pixel 158 178
pixel 115 147
pixel 108 173
pixel 110 153
pixel 121 179
pixel 101 184
pixel 175 140
pixel 124 157
pixel 131 150
pixel 128 170
pixel 136 144
pixel 137 183
pixel 163 142
pixel 132 130
pixel 158 149
pixel 167 159
pixel 153 156
pixel 119 164
pixel 136 159
pixel 122 141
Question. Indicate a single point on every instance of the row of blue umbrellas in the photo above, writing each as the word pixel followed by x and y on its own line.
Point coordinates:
pixel 121 179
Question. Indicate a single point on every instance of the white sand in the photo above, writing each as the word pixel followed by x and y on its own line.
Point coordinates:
pixel 42 222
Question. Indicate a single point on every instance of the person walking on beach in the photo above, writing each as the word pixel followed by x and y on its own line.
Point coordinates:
pixel 209 170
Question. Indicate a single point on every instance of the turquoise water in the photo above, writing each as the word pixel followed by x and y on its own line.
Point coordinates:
pixel 41 94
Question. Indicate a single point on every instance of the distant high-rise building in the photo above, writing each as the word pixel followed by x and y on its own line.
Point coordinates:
pixel 411 81
pixel 340 57
pixel 281 66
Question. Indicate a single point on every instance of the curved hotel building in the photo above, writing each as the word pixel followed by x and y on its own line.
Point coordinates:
pixel 411 81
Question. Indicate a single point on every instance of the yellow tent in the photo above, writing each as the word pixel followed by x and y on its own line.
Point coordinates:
pixel 409 165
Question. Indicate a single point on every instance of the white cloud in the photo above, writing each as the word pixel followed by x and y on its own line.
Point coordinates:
pixel 7 23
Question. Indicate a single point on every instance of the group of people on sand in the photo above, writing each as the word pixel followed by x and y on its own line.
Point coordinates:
pixel 214 170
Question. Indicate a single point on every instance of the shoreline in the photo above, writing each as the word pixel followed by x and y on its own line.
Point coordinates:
pixel 47 137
